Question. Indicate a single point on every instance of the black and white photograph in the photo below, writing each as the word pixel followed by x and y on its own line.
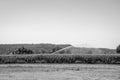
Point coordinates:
pixel 59 39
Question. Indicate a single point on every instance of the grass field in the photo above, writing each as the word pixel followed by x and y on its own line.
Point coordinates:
pixel 59 72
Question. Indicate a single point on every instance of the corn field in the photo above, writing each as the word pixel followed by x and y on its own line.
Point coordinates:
pixel 61 58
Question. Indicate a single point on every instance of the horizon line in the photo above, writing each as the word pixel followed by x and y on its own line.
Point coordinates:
pixel 78 45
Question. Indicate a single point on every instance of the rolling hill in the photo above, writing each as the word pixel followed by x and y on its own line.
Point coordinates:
pixel 52 48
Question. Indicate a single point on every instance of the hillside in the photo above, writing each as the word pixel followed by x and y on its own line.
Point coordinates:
pixel 36 48
pixel 83 50
pixel 51 48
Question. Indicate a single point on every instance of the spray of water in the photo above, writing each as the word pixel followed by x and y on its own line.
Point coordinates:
pixel 62 49
pixel 78 47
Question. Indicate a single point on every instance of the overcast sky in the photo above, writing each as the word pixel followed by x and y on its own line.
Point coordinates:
pixel 90 22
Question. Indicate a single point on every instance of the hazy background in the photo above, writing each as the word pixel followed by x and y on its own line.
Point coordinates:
pixel 89 22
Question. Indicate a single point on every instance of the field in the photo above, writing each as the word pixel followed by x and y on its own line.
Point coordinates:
pixel 59 72
pixel 61 58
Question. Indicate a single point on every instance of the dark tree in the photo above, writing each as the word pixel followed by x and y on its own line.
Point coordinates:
pixel 118 49
pixel 23 51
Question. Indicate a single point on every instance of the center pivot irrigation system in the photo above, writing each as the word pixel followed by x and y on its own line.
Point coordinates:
pixel 62 49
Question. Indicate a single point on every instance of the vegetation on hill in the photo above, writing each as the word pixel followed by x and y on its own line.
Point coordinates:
pixel 23 51
pixel 51 48
pixel 36 48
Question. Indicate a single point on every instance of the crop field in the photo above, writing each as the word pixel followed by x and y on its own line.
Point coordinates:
pixel 59 72
pixel 64 58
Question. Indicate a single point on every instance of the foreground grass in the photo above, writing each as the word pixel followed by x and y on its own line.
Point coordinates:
pixel 59 72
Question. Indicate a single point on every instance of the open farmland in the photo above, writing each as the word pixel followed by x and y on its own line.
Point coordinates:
pixel 59 72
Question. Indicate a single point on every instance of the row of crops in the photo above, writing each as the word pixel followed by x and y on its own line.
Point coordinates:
pixel 58 58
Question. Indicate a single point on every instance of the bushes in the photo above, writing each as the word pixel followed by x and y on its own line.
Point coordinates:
pixel 59 58
pixel 23 51
pixel 118 49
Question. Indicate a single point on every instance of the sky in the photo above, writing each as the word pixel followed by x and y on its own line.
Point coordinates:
pixel 91 22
